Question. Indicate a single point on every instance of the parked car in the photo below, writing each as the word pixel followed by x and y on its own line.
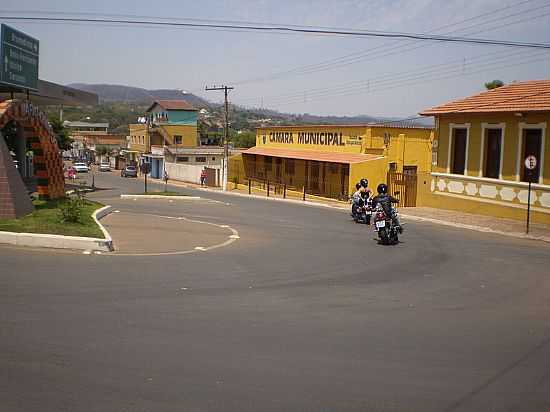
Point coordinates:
pixel 81 167
pixel 129 171
pixel 104 167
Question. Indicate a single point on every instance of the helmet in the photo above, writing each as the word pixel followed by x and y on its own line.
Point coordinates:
pixel 357 186
pixel 364 182
pixel 382 188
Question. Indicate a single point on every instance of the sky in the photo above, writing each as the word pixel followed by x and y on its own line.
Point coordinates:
pixel 295 73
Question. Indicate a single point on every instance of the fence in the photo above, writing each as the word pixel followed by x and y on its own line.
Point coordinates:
pixel 403 186
pixel 315 181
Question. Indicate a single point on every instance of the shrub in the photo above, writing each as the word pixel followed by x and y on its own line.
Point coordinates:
pixel 70 211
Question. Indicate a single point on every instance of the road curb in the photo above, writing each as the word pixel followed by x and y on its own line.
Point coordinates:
pixel 124 196
pixel 63 242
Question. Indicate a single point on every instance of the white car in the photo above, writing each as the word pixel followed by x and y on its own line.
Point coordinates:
pixel 81 167
pixel 104 167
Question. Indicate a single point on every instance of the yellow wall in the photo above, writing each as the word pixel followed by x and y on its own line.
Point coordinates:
pixel 409 146
pixel 139 138
pixel 188 133
pixel 142 137
pixel 511 143
pixel 374 170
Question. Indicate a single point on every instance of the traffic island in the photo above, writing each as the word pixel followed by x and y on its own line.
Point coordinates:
pixel 139 234
pixel 46 228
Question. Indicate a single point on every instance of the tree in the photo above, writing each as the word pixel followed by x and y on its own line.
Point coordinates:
pixel 102 151
pixel 245 139
pixel 494 84
pixel 61 134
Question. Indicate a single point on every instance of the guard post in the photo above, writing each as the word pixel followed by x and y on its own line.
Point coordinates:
pixel 531 176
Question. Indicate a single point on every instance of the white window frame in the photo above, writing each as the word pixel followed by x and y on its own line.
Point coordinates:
pixel 526 126
pixel 453 126
pixel 484 127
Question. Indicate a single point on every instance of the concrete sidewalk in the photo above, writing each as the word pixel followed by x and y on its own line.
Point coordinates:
pixel 490 224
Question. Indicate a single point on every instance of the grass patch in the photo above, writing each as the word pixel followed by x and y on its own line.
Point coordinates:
pixel 46 219
pixel 167 193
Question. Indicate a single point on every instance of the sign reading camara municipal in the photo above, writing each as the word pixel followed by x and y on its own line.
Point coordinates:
pixel 19 54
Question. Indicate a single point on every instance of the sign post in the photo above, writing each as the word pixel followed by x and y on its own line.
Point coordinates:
pixel 530 175
pixel 19 59
pixel 145 169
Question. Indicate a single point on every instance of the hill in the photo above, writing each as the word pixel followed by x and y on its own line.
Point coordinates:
pixel 122 105
pixel 110 93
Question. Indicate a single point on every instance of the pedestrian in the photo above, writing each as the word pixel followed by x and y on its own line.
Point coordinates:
pixel 71 173
pixel 203 177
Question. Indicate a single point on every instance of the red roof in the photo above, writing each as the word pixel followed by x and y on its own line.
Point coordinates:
pixel 318 156
pixel 529 96
pixel 173 105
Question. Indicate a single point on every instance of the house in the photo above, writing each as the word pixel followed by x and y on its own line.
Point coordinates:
pixel 328 160
pixel 166 124
pixel 480 149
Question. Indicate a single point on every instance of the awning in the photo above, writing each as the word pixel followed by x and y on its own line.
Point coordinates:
pixel 317 156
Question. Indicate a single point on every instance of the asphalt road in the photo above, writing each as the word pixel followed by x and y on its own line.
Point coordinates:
pixel 305 312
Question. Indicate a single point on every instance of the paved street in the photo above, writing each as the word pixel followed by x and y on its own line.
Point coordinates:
pixel 304 312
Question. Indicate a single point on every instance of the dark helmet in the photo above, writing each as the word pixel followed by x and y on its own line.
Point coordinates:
pixel 364 183
pixel 357 186
pixel 382 188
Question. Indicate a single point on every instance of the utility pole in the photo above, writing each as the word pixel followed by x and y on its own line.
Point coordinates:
pixel 226 134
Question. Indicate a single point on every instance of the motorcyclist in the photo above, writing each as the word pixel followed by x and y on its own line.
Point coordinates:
pixel 364 189
pixel 356 201
pixel 385 200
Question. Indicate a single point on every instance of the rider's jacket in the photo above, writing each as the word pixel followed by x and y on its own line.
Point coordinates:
pixel 385 201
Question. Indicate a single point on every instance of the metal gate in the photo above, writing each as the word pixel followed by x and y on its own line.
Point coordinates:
pixel 403 187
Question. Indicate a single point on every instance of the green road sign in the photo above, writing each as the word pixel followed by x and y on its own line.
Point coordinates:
pixel 19 59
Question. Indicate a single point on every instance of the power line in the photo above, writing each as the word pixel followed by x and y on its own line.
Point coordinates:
pixel 415 81
pixel 345 60
pixel 391 77
pixel 290 29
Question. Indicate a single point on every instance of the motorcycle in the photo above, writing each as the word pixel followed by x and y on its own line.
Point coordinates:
pixel 383 224
pixel 361 211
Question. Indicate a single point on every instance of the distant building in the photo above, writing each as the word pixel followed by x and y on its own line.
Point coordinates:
pixel 166 124
pixel 88 136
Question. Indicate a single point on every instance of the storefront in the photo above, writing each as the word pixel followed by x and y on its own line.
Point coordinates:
pixel 328 160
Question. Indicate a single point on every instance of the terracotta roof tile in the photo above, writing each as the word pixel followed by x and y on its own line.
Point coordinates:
pixel 526 96
pixel 331 157
pixel 174 105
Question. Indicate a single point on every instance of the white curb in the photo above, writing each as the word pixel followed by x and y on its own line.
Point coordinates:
pixel 63 242
pixel 159 197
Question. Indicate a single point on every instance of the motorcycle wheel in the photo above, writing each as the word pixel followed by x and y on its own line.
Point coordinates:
pixel 395 238
pixel 383 235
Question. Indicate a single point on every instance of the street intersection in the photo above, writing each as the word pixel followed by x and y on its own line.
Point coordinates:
pixel 301 311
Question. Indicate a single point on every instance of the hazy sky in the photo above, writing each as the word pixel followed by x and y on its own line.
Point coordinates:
pixel 378 76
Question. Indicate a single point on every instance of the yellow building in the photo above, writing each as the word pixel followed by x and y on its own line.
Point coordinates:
pixel 481 145
pixel 328 160
pixel 166 123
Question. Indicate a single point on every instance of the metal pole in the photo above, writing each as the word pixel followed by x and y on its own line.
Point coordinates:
pixel 249 186
pixel 226 134
pixel 528 206
pixel 268 188
pixel 145 169
pixel 284 191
